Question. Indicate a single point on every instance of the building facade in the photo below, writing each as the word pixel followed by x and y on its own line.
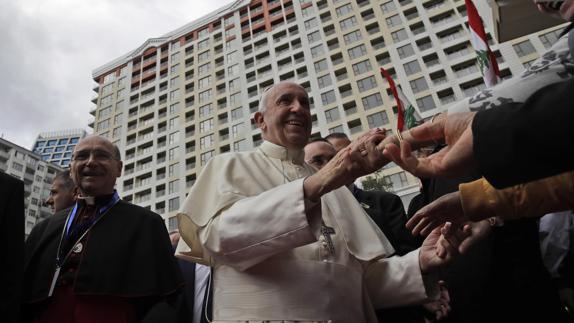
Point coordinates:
pixel 37 176
pixel 57 146
pixel 180 99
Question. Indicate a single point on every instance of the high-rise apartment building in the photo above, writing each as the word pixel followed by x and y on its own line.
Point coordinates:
pixel 37 176
pixel 178 100
pixel 57 146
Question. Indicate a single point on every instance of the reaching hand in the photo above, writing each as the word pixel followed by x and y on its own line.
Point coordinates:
pixel 447 208
pixel 455 159
pixel 360 158
pixel 441 246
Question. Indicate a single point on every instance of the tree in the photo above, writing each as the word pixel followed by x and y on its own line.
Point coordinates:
pixel 377 182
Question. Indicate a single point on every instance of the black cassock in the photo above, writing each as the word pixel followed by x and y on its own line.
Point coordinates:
pixel 127 253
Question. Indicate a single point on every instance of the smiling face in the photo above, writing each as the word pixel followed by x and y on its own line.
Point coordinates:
pixel 95 166
pixel 560 9
pixel 286 120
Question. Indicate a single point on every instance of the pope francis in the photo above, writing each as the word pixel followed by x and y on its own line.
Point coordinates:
pixel 287 243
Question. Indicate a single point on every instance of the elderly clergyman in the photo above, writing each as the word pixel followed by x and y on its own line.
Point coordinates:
pixel 287 243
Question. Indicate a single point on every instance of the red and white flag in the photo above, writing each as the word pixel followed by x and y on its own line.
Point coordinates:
pixel 407 115
pixel 486 59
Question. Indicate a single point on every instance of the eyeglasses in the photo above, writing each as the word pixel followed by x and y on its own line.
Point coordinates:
pixel 319 160
pixel 98 155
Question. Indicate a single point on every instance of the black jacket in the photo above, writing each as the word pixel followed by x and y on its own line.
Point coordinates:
pixel 127 253
pixel 11 246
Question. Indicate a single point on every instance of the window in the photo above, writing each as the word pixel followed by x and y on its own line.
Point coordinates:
pixel 174 108
pixel 358 51
pixel 307 12
pixel 372 101
pixel 172 222
pixel 405 51
pixel 203 44
pixel 237 130
pixel 173 204
pixel 328 97
pixel 324 81
pixel 173 170
pixel 332 115
pixel 233 70
pixel 172 154
pixel 412 67
pixel 394 21
pixel 550 38
pixel 175 57
pixel 231 57
pixel 174 95
pixel 237 113
pixel 348 23
pixel 65 141
pixel 234 84
pixel 321 65
pixel 103 125
pixel 426 103
pixel 204 82
pixel 343 10
pixel 204 96
pixel 524 48
pixel 240 145
pixel 203 56
pixel 388 7
pixel 205 157
pixel 17 166
pixel 367 83
pixel 206 125
pixel 173 81
pixel 174 68
pixel 117 120
pixel 352 37
pixel 419 85
pixel 336 129
pixel 362 67
pixel 205 110
pixel 173 122
pixel 206 142
pixel 310 23
pixel 314 37
pixel 234 98
pixel 173 137
pixel 203 69
pixel 377 119
pixel 203 33
pixel 173 186
pixel 399 35
pixel 317 51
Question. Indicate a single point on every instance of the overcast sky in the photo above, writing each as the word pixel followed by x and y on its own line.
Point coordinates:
pixel 49 48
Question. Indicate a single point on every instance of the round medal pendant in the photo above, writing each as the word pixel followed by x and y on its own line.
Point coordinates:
pixel 78 248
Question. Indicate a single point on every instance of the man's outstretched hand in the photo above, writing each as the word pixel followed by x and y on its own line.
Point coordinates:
pixel 453 160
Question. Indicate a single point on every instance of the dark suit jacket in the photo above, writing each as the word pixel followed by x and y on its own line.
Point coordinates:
pixel 387 210
pixel 521 142
pixel 11 246
pixel 186 299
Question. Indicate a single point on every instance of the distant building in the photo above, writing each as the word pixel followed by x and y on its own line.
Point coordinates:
pixel 36 174
pixel 178 100
pixel 57 146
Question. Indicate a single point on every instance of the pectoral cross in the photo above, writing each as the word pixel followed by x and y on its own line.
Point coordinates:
pixel 326 232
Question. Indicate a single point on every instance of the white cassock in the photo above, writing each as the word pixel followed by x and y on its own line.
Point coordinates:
pixel 247 217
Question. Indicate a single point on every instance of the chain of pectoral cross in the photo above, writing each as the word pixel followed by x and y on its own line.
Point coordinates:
pixel 326 232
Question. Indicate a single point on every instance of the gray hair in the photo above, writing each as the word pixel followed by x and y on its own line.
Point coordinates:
pixel 263 100
pixel 66 180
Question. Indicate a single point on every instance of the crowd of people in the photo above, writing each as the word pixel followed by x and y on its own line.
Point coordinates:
pixel 283 233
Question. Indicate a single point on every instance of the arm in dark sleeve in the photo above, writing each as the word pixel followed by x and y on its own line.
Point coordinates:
pixel 521 142
pixel 12 242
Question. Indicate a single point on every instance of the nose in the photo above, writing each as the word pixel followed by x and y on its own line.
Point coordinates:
pixel 49 201
pixel 296 106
